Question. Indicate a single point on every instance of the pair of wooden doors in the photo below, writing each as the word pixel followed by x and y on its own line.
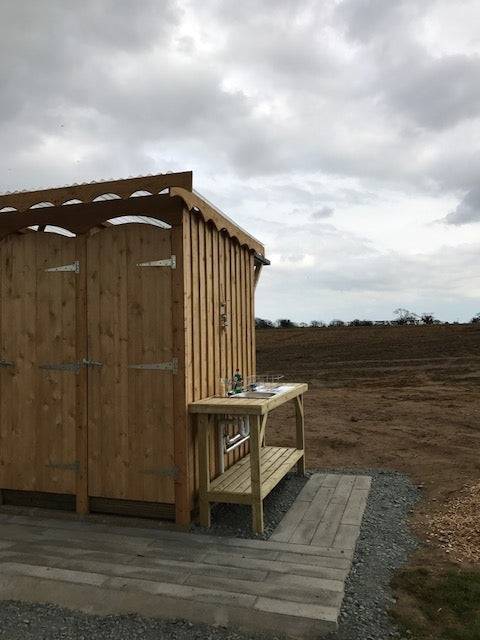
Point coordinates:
pixel 86 393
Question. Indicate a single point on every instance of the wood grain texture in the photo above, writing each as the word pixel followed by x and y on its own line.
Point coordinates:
pixel 37 326
pixel 221 274
pixel 131 430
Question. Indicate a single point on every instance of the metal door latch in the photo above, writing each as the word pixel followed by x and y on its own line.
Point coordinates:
pixel 158 366
pixel 91 363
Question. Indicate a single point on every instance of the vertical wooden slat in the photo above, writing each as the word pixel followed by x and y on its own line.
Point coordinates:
pixel 208 320
pixel 81 378
pixel 202 307
pixel 181 323
pixel 217 335
pixel 195 317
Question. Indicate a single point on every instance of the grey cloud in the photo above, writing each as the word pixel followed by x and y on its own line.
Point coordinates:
pixel 435 92
pixel 276 106
pixel 366 20
pixel 322 213
pixel 467 211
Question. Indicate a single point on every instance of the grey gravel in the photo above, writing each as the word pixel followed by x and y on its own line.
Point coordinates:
pixel 20 621
pixel 383 546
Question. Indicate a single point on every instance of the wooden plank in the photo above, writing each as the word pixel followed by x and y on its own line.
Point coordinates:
pixel 238 475
pixel 131 427
pixel 195 278
pixel 216 312
pixel 37 448
pixel 230 497
pixel 355 507
pixel 202 305
pixel 282 471
pixel 81 404
pixel 235 474
pixel 87 192
pixel 181 301
pixel 249 327
pixel 268 466
pixel 247 406
pixel 208 321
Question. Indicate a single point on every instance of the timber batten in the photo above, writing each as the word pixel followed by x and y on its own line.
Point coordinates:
pixel 112 431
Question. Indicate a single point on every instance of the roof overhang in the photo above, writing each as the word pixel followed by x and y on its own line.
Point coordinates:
pixel 165 196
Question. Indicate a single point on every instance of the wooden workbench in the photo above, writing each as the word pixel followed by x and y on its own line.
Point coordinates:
pixel 253 477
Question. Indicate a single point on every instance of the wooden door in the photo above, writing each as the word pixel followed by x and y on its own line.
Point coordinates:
pixel 130 409
pixel 37 333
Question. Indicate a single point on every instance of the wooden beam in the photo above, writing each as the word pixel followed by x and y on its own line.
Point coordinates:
pixel 23 200
pixel 80 218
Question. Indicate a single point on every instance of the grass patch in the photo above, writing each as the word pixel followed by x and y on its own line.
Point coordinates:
pixel 442 605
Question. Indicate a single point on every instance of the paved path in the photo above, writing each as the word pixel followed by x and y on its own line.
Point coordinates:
pixel 292 583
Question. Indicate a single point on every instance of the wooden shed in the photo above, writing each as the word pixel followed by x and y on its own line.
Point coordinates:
pixel 121 302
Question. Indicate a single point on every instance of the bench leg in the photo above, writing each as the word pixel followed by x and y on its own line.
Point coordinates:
pixel 204 468
pixel 300 433
pixel 205 520
pixel 256 474
pixel 257 515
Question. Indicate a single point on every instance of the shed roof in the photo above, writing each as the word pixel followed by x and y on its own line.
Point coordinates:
pixel 75 206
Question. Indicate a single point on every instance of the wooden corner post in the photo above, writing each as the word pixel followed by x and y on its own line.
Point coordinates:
pixel 180 411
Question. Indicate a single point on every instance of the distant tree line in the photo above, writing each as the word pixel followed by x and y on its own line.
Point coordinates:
pixel 402 317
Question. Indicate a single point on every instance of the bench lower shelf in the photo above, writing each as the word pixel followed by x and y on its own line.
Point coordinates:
pixel 235 484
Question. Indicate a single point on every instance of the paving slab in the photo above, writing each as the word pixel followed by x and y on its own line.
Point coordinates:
pixel 292 583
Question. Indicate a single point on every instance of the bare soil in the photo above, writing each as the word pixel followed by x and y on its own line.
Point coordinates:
pixel 405 398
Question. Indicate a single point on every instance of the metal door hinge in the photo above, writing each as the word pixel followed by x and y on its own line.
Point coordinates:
pixel 70 366
pixel 5 363
pixel 165 472
pixel 74 266
pixel 67 466
pixel 61 366
pixel 159 366
pixel 168 262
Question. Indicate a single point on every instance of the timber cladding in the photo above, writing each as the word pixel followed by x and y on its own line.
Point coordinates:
pixel 105 337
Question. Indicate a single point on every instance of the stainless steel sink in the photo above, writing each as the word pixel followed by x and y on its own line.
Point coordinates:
pixel 254 394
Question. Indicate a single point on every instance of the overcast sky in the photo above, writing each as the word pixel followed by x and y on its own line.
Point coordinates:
pixel 345 135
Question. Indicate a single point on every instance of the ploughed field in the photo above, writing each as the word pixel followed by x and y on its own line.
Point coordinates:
pixel 405 398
